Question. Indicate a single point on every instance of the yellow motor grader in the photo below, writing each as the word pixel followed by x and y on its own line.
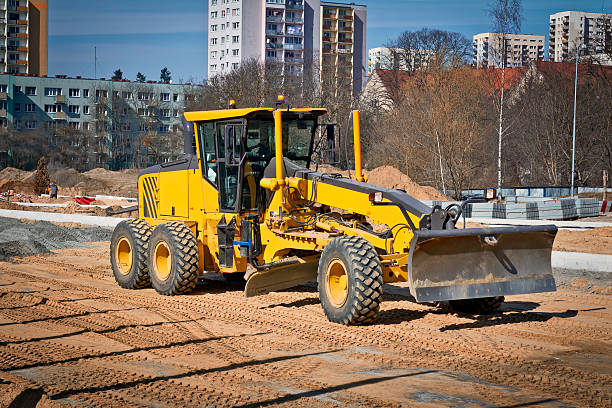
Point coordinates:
pixel 244 202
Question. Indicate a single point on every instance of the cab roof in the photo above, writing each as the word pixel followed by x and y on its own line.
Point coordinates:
pixel 239 113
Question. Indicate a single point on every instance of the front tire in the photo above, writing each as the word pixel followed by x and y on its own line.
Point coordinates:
pixel 481 306
pixel 173 259
pixel 350 281
pixel 128 251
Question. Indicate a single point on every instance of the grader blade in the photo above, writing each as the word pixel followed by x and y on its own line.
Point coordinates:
pixel 304 270
pixel 481 262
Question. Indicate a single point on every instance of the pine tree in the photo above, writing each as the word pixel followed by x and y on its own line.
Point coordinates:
pixel 41 177
pixel 140 77
pixel 165 75
pixel 118 75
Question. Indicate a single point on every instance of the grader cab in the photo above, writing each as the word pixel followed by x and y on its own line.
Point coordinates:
pixel 244 202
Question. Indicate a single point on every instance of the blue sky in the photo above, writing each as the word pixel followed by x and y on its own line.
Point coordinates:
pixel 146 35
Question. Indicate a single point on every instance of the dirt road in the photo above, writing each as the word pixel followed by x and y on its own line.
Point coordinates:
pixel 70 336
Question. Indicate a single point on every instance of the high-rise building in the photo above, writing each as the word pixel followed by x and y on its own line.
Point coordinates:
pixel 287 34
pixel 24 36
pixel 343 48
pixel 520 49
pixel 569 29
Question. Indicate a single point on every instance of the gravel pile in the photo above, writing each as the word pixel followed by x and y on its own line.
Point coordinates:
pixel 19 238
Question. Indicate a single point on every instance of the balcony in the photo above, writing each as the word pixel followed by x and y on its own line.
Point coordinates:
pixel 22 22
pixel 294 46
pixel 2 113
pixel 24 49
pixel 295 6
pixel 344 51
pixel 60 99
pixel 294 60
pixel 295 20
pixel 3 96
pixel 278 19
pixel 329 39
pixel 345 17
pixel 274 45
pixel 21 8
pixel 22 35
pixel 345 40
pixel 274 32
pixel 345 28
pixel 60 116
pixel 22 62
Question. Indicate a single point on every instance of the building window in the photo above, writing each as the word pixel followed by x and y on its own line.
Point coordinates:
pixel 213 2
pixel 145 96
pixel 53 108
pixel 74 109
pixel 164 113
pixel 127 95
pixel 3 88
pixel 85 125
pixel 213 27
pixel 235 38
pixel 213 14
pixel 235 12
pixel 235 52
pixel 125 111
pixel 213 54
pixel 17 124
pixel 234 65
pixel 30 124
pixel 85 93
pixel 144 112
pixel 74 125
pixel 17 107
pixel 74 93
pixel 16 89
pixel 30 90
pixel 235 26
pixel 213 41
pixel 30 107
pixel 86 109
pixel 175 113
pixel 164 128
pixel 53 91
pixel 213 67
pixel 115 94
pixel 101 93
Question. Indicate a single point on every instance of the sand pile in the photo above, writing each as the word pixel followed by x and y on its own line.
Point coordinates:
pixel 121 183
pixel 390 177
pixel 19 180
pixel 595 241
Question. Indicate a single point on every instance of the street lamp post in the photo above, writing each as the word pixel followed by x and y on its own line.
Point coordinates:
pixel 580 47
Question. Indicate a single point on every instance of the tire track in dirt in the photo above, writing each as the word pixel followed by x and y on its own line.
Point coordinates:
pixel 413 333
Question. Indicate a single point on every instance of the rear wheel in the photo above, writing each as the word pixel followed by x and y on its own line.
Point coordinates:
pixel 128 251
pixel 350 281
pixel 483 306
pixel 173 259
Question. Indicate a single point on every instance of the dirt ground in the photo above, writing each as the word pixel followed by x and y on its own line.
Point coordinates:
pixel 69 336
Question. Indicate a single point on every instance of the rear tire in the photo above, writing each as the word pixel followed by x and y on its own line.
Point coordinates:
pixel 128 252
pixel 350 281
pixel 173 259
pixel 482 306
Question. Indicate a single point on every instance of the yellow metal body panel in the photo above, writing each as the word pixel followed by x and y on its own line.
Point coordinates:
pixel 239 113
pixel 174 194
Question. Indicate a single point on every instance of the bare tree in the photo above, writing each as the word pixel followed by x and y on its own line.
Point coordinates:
pixel 506 17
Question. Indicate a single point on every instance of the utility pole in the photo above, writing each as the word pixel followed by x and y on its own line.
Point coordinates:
pixel 581 46
pixel 501 116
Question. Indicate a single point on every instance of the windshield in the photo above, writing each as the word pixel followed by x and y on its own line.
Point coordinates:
pixel 297 135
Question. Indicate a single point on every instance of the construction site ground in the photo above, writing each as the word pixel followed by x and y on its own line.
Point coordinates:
pixel 69 336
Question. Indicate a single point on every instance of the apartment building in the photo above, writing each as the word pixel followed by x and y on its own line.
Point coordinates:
pixel 570 29
pixel 284 33
pixel 118 113
pixel 24 36
pixel 343 48
pixel 520 50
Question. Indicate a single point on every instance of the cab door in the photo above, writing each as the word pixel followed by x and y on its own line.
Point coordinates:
pixel 230 158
